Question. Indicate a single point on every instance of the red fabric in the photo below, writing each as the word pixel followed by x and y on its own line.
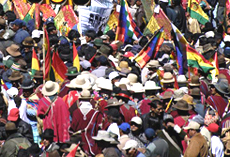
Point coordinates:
pixel 144 107
pixel 57 118
pixel 73 152
pixel 226 73
pixel 71 98
pixel 218 103
pixel 64 90
pixel 127 113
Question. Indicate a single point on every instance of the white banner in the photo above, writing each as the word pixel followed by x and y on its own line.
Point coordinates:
pixel 102 3
pixel 93 18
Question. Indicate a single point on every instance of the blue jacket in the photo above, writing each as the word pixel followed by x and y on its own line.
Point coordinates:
pixel 20 36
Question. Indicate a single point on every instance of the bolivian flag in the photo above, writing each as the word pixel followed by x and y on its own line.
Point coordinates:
pixel 35 63
pixel 76 62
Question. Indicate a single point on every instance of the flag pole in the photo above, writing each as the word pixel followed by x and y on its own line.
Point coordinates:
pixel 44 51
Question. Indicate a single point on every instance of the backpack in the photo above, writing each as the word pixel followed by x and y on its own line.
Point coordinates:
pixel 24 144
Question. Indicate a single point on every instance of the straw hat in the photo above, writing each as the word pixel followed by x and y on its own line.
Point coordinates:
pixel 195 81
pixel 123 83
pixel 188 99
pixel 168 78
pixel 182 105
pixel 132 78
pixel 79 82
pixel 182 79
pixel 137 88
pixel 85 94
pixel 103 135
pixel 123 64
pixel 178 95
pixel 16 75
pixel 151 85
pixel 14 50
pixel 106 84
pixel 167 95
pixel 153 64
pixel 50 88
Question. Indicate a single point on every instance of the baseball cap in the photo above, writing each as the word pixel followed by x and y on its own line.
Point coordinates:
pixel 85 64
pixel 125 127
pixel 36 33
pixel 213 127
pixel 113 75
pixel 17 22
pixel 128 54
pixel 114 46
pixel 192 125
pixel 137 120
pixel 130 144
pixel 13 116
pixel 149 133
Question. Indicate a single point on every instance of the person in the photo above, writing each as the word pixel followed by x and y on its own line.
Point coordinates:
pixel 180 16
pixel 23 127
pixel 198 145
pixel 34 150
pixel 13 142
pixel 131 149
pixel 124 130
pixel 53 110
pixel 48 143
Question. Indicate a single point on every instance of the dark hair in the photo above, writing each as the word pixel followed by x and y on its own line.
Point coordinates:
pixel 156 102
pixel 17 101
pixel 91 33
pixel 73 34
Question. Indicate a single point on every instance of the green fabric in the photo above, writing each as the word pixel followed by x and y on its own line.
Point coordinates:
pixel 193 63
pixel 197 16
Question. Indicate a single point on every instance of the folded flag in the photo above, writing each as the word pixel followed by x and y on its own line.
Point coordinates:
pixel 127 30
pixel 196 60
pixel 35 63
pixel 76 62
pixel 47 56
pixel 148 51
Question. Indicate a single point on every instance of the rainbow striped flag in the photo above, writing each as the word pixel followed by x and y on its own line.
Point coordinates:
pixel 180 44
pixel 196 60
pixel 76 62
pixel 147 52
pixel 35 63
pixel 58 68
pixel 196 11
pixel 127 29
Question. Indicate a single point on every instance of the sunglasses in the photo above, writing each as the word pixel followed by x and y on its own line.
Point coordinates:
pixel 135 124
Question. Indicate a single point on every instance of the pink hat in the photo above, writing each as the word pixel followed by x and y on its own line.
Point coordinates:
pixel 213 127
pixel 13 116
pixel 114 46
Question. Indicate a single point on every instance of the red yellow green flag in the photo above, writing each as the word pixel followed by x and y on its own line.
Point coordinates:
pixel 47 56
pixel 76 62
pixel 35 63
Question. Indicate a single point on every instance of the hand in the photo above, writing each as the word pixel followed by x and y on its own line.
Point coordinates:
pixel 170 124
pixel 186 138
pixel 142 150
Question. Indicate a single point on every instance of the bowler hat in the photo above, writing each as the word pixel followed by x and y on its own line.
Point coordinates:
pixel 72 71
pixel 28 42
pixel 48 133
pixel 195 91
pixel 15 76
pixel 222 86
pixel 27 84
pixel 195 81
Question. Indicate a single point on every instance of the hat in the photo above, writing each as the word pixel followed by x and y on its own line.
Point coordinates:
pixel 123 65
pixel 85 94
pixel 104 37
pixel 34 150
pixel 167 116
pixel 102 59
pixel 13 115
pixel 14 50
pixel 222 86
pixel 13 91
pixel 10 126
pixel 209 34
pixel 192 125
pixel 125 127
pixel 178 95
pixel 128 54
pixel 8 63
pixel 114 46
pixel 227 38
pixel 151 85
pixel 137 88
pixel 168 78
pixel 105 50
pixel 150 133
pixel 195 91
pixel 195 81
pixel 207 47
pixel 106 84
pixel 181 79
pixel 27 84
pixel 103 135
pixel 16 75
pixel 38 74
pixel 79 82
pixel 213 127
pixel 50 88
pixel 136 120
pixel 90 78
pixel 113 102
pixel 79 152
pixel 221 59
pixel 188 99
pixel 130 144
pixel 72 71
pixel 132 78
pixel 113 75
pixel 124 84
pixel 85 64
pixel 48 133
pixel 36 33
pixel 28 41
pixel 182 105
pixel 153 64
pixel 98 42
pixel 167 95
pixel 17 22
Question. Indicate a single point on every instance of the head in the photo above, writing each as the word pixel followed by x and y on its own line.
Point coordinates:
pixel 156 108
pixel 135 124
pixel 193 128
pixel 27 92
pixel 90 35
pixel 47 137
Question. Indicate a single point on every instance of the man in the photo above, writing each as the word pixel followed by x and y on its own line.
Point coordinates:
pixel 153 119
pixel 131 149
pixel 102 66
pixel 124 130
pixel 20 33
pixel 199 107
pixel 136 132
pixel 23 128
pixel 53 110
pixel 198 145
pixel 90 35
pixel 49 145
pixel 13 142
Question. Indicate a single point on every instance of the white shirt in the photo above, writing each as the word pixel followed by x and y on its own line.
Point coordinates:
pixel 217 146
pixel 113 128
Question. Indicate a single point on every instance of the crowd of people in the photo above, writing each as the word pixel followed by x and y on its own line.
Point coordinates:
pixel 111 107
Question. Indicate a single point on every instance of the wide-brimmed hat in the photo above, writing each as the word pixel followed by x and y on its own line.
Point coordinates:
pixel 105 50
pixel 222 86
pixel 207 47
pixel 85 94
pixel 98 42
pixel 27 84
pixel 221 59
pixel 151 85
pixel 182 105
pixel 72 71
pixel 124 84
pixel 10 126
pixel 106 84
pixel 195 91
pixel 137 88
pixel 48 133
pixel 132 78
pixel 16 75
pixel 167 95
pixel 89 76
pixel 192 125
pixel 153 64
pixel 79 82
pixel 181 79
pixel 178 95
pixel 123 65
pixel 50 88
pixel 113 102
pixel 103 135
pixel 14 50
pixel 168 78
pixel 28 42
pixel 195 81
pixel 34 150
pixel 38 74
pixel 188 99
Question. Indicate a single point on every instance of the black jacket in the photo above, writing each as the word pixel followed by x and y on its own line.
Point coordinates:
pixel 180 21
pixel 25 129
